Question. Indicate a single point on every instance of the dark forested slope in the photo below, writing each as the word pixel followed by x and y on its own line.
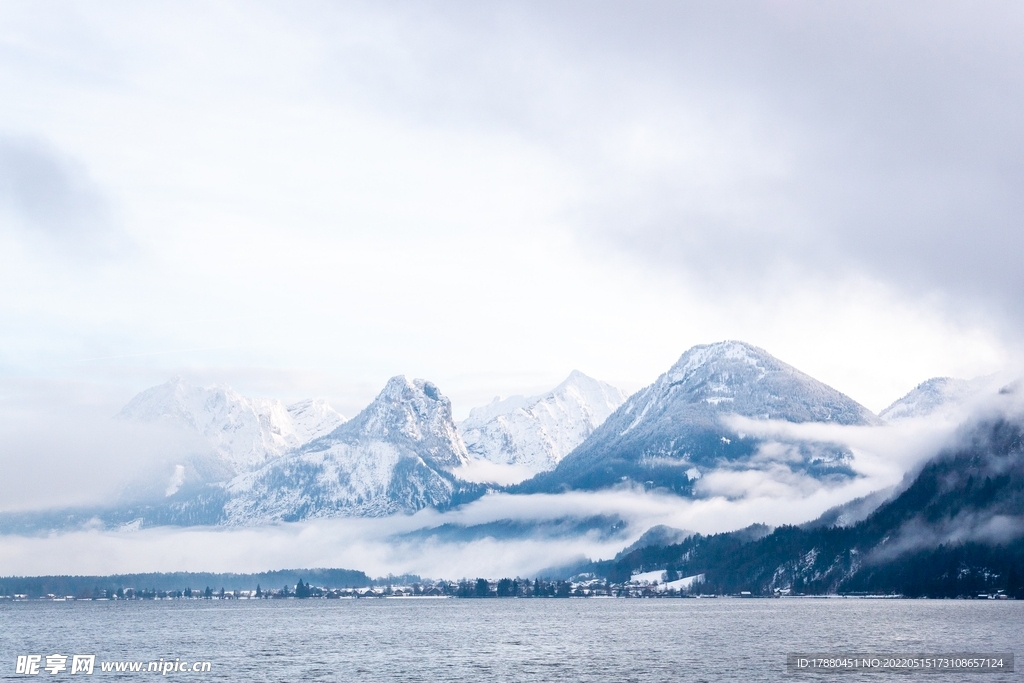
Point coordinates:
pixel 957 530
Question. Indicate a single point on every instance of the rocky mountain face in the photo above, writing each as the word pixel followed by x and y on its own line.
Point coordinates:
pixel 395 456
pixel 241 433
pixel 538 431
pixel 670 433
pixel 956 530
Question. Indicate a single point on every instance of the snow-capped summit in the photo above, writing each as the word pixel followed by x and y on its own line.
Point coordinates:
pixel 669 433
pixel 745 380
pixel 395 456
pixel 537 432
pixel 417 415
pixel 244 433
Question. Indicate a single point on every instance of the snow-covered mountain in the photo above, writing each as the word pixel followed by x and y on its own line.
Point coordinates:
pixel 939 396
pixel 403 452
pixel 397 455
pixel 672 432
pixel 243 433
pixel 537 432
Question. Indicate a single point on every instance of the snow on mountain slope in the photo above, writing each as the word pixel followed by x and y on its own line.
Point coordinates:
pixel 939 396
pixel 397 455
pixel 670 433
pixel 244 433
pixel 535 433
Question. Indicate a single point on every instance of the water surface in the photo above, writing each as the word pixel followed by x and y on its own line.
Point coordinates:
pixel 401 639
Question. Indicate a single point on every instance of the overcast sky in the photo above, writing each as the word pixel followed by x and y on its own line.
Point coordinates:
pixel 307 198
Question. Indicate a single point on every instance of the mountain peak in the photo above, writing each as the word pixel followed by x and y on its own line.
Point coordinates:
pixel 415 408
pixel 395 455
pixel 395 387
pixel 676 424
pixel 730 351
pixel 581 381
pixel 737 377
pixel 401 388
pixel 577 377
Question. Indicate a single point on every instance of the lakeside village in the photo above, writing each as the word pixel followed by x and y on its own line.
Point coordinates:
pixel 648 585
pixel 655 584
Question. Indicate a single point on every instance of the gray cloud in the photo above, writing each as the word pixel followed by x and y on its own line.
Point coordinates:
pixel 738 142
pixel 885 140
pixel 52 199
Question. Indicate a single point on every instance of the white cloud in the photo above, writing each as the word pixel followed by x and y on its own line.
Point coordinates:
pixel 487 472
pixel 371 544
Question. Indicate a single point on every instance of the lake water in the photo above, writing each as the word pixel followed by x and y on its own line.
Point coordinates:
pixel 371 640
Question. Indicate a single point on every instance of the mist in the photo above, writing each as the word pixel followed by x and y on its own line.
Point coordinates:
pixel 61 447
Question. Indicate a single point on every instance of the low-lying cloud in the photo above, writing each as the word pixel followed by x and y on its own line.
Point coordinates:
pixel 389 545
pixel 967 527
